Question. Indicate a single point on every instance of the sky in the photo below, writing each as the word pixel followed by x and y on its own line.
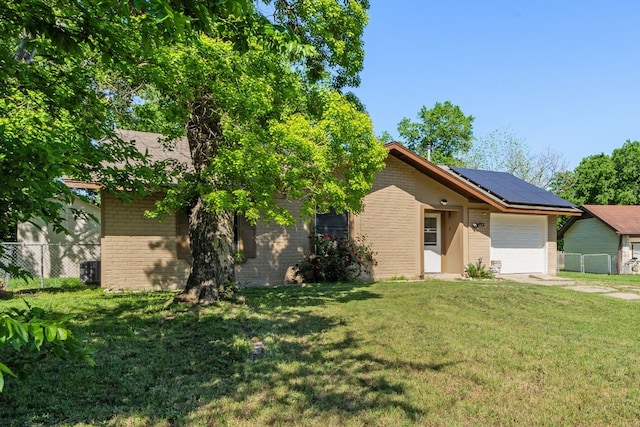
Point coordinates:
pixel 561 75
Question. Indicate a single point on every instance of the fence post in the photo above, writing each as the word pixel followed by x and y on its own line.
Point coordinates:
pixel 42 265
pixel 581 263
pixel 609 264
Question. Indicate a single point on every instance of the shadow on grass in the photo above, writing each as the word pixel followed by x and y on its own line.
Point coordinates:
pixel 189 365
pixel 308 295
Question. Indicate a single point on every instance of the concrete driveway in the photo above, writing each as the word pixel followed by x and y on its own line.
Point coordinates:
pixel 626 292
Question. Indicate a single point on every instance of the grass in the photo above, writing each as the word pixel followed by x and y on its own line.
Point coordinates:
pixel 627 283
pixel 614 279
pixel 421 353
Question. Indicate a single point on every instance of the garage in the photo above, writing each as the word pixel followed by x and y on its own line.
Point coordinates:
pixel 519 242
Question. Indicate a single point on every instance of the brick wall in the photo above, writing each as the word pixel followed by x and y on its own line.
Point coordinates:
pixel 277 249
pixel 479 242
pixel 138 252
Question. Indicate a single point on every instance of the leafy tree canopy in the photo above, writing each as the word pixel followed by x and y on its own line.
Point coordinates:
pixel 444 130
pixel 604 179
pixel 256 86
pixel 504 151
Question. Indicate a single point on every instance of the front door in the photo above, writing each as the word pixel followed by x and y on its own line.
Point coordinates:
pixel 432 243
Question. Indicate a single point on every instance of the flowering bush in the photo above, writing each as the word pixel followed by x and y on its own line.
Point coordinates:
pixel 336 259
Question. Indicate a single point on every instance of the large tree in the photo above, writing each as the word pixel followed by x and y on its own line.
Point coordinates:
pixel 504 151
pixel 265 127
pixel 442 133
pixel 604 179
pixel 52 55
pixel 256 90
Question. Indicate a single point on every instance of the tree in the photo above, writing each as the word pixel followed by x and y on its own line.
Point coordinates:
pixel 442 134
pixel 604 179
pixel 51 115
pixel 626 161
pixel 257 93
pixel 502 150
pixel 264 124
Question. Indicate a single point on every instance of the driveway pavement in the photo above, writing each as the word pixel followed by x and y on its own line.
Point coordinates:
pixel 626 292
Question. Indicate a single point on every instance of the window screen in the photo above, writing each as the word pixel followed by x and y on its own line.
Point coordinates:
pixel 335 224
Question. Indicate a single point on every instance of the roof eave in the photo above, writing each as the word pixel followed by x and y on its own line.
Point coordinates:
pixel 444 176
pixel 73 183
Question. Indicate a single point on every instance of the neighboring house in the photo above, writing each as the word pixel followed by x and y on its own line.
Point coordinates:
pixel 43 251
pixel 419 218
pixel 606 229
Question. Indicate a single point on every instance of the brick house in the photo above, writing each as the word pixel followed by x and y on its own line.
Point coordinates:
pixel 420 218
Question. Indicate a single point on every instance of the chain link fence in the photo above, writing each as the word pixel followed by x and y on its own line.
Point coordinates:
pixel 588 263
pixel 44 261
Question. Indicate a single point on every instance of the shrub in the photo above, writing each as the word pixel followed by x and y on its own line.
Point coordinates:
pixel 478 271
pixel 336 259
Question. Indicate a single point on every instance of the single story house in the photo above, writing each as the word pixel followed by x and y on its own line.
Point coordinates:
pixel 606 229
pixel 420 219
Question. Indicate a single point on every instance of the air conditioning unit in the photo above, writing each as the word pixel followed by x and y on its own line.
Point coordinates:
pixel 90 272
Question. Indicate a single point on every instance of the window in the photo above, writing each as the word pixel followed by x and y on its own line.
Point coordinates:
pixel 635 250
pixel 335 224
pixel 430 231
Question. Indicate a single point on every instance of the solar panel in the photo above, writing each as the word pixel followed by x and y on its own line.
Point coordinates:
pixel 510 188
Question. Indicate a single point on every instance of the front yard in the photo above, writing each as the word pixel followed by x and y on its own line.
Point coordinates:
pixel 396 353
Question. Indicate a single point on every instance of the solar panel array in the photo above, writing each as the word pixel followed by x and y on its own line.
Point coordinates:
pixel 510 188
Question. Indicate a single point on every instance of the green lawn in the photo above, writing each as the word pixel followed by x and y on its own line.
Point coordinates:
pixel 427 353
pixel 605 279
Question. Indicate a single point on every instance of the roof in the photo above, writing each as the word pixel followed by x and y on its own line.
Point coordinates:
pixel 477 186
pixel 624 220
pixel 152 143
pixel 501 190
pixel 157 147
pixel 511 189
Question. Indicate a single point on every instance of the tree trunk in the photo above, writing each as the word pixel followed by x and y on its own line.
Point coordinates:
pixel 210 234
pixel 212 266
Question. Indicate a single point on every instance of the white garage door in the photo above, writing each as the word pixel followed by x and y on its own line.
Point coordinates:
pixel 519 242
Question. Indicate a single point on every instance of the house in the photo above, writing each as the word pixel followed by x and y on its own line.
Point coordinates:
pixel 419 218
pixel 44 252
pixel 606 229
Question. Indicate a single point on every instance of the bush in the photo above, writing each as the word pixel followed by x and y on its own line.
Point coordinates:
pixel 478 271
pixel 336 259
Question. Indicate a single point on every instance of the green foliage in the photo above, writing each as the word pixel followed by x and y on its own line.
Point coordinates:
pixel 28 336
pixel 478 271
pixel 504 151
pixel 336 259
pixel 256 87
pixel 279 135
pixel 603 179
pixel 444 128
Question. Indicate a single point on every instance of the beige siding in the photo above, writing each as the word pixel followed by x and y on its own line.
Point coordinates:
pixel 277 249
pixel 138 252
pixel 478 238
pixel 392 221
pixel 64 252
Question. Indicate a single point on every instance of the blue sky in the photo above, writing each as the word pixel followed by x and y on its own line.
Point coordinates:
pixel 558 74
